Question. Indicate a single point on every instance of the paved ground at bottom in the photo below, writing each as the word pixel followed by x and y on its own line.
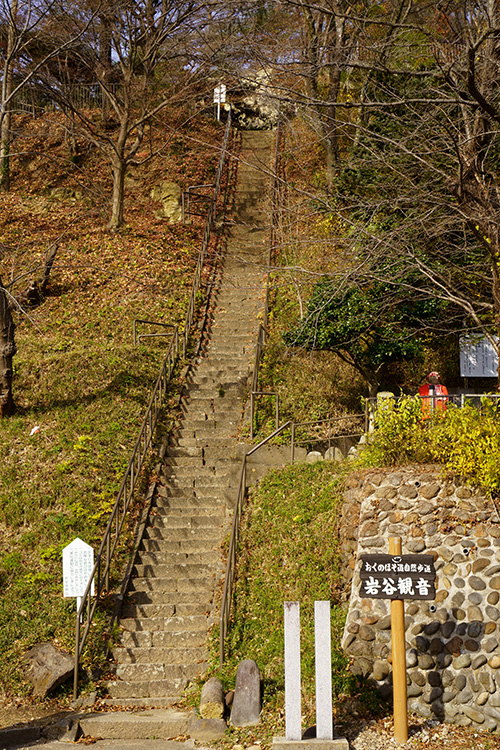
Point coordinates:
pixel 123 745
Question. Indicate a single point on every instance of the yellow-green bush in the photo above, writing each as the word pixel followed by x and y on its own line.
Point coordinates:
pixel 465 440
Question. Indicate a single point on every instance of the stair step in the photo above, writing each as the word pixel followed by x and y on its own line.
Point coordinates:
pixel 192 480
pixel 191 615
pixel 166 511
pixel 198 461
pixel 200 442
pixel 187 502
pixel 158 639
pixel 188 470
pixel 202 585
pixel 178 599
pixel 178 558
pixel 176 451
pixel 148 703
pixel 132 725
pixel 172 570
pixel 189 545
pixel 174 676
pixel 183 534
pixel 153 655
pixel 137 687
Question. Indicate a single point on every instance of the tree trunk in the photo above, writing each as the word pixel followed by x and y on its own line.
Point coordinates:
pixel 5 134
pixel 7 351
pixel 116 219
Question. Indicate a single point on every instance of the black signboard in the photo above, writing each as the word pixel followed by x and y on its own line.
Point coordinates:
pixel 397 577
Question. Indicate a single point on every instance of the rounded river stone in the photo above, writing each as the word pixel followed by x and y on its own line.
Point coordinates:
pixel 475 628
pixel 475 598
pixel 477 583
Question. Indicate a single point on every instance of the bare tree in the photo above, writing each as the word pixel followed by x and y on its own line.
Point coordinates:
pixel 141 53
pixel 416 186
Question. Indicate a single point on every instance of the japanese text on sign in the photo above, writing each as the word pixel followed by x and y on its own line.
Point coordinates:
pixel 397 577
pixel 78 562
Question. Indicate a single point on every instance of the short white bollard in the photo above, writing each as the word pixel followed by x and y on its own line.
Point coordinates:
pixel 293 706
pixel 323 667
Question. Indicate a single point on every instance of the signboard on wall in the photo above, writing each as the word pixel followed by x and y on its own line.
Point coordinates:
pixel 478 358
pixel 397 577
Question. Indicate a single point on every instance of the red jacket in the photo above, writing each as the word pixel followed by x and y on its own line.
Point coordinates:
pixel 432 401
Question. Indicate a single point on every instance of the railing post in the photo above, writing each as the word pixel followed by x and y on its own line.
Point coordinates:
pixel 77 658
pixel 252 407
pixel 292 443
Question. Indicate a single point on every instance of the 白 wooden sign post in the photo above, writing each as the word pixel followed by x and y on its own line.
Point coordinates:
pixel 398 577
pixel 78 563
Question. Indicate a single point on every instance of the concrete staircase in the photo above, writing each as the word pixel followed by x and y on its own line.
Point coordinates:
pixel 170 603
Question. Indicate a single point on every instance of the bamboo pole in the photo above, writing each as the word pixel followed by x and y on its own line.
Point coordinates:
pixel 398 657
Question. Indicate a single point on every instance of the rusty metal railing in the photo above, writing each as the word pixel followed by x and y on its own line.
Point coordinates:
pixel 334 430
pixel 206 239
pixel 102 567
pixel 233 543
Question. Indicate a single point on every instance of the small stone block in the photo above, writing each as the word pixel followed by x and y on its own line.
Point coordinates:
pixel 205 730
pixel 19 736
pixel 280 743
pixel 212 699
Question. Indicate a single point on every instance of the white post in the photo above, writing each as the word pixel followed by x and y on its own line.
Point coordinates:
pixel 323 665
pixel 293 707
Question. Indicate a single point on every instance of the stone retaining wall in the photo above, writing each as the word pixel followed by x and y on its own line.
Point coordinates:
pixel 453 643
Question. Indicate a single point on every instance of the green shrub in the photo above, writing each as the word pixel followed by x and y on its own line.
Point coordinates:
pixel 465 440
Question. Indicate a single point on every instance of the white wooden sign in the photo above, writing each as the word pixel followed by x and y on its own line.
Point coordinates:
pixel 78 562
pixel 478 358
pixel 220 94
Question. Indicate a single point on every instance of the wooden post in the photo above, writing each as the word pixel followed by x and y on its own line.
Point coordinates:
pixel 398 657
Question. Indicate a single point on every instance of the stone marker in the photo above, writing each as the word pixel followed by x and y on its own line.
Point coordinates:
pixel 212 699
pixel 47 667
pixel 246 703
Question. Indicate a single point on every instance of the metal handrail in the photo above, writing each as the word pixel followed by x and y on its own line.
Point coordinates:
pixel 186 199
pixel 233 543
pixel 101 569
pixel 149 335
pixel 206 238
pixel 330 437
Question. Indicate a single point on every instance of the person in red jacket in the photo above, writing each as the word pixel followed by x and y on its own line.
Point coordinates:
pixel 431 392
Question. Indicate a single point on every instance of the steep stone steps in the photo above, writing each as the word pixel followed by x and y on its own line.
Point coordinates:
pixel 169 605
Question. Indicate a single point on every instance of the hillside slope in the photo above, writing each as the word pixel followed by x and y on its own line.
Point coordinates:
pixel 81 386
